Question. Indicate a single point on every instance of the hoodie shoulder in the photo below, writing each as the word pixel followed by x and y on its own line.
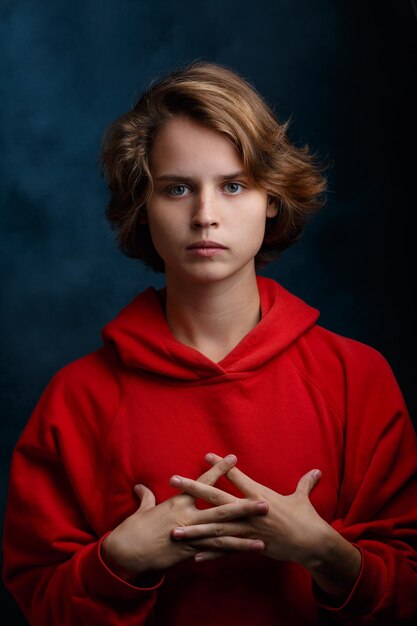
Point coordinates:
pixel 84 395
pixel 343 367
pixel 94 370
pixel 350 353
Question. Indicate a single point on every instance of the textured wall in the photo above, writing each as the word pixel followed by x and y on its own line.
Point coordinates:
pixel 342 70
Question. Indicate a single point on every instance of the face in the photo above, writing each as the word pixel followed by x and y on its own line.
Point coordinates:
pixel 206 218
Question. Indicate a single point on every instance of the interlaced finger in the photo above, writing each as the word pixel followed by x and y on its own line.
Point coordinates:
pixel 245 484
pixel 201 531
pixel 210 477
pixel 228 512
pixel 204 492
pixel 227 544
pixel 221 467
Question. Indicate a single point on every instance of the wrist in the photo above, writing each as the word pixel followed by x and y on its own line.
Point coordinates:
pixel 109 554
pixel 335 566
pixel 321 549
pixel 335 552
pixel 131 573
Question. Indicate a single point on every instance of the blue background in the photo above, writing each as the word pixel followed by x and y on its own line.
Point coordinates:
pixel 343 71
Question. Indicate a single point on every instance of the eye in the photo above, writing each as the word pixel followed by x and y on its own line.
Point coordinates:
pixel 234 188
pixel 177 190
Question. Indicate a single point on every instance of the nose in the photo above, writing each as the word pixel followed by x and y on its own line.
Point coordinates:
pixel 205 213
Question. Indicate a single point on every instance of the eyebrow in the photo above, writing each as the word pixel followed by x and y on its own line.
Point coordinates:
pixel 173 177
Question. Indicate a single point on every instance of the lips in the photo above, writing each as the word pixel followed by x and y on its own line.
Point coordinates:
pixel 205 244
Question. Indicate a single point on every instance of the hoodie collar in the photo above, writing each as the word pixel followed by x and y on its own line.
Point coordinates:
pixel 143 339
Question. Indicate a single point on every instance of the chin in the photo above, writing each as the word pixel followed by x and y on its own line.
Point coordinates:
pixel 207 277
pixel 211 275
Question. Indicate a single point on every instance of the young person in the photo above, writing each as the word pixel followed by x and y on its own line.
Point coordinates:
pixel 314 520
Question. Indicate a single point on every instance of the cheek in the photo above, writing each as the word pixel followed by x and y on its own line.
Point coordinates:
pixel 252 229
pixel 163 234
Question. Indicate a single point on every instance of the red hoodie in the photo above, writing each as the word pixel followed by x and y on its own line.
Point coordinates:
pixel 290 397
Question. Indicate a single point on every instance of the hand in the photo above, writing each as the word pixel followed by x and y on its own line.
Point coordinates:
pixel 143 543
pixel 291 530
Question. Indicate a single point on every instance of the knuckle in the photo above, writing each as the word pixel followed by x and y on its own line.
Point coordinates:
pixel 182 522
pixel 180 499
pixel 218 530
pixel 215 497
pixel 222 514
pixel 258 495
pixel 240 530
pixel 219 542
pixel 172 504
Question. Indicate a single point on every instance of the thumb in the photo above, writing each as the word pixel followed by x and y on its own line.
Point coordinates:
pixel 308 482
pixel 147 499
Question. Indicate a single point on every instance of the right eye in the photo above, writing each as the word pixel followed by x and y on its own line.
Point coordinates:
pixel 177 190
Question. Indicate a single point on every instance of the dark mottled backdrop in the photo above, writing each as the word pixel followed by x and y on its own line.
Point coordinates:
pixel 342 70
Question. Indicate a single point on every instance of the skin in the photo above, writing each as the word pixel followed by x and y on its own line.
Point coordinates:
pixel 291 530
pixel 142 543
pixel 196 204
pixel 212 303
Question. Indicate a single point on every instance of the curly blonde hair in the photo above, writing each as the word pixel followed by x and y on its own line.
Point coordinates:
pixel 218 98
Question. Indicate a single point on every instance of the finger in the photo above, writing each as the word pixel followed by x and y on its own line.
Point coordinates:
pixel 220 468
pixel 228 512
pixel 245 484
pixel 147 499
pixel 228 544
pixel 202 531
pixel 199 490
pixel 308 482
pixel 209 556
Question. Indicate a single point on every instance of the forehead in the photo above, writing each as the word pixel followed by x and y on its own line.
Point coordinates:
pixel 184 146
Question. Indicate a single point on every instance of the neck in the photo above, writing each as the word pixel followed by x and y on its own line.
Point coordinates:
pixel 214 317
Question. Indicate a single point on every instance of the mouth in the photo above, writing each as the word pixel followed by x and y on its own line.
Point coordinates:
pixel 204 244
pixel 205 249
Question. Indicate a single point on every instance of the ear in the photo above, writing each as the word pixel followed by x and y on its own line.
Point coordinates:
pixel 272 206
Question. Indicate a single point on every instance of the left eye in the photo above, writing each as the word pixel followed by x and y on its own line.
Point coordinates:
pixel 234 187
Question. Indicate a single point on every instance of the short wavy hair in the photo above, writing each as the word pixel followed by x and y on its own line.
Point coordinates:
pixel 220 99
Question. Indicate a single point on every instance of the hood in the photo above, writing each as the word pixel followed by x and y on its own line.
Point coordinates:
pixel 143 339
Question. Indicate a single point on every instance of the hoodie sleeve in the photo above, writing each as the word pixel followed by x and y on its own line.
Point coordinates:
pixel 377 508
pixel 52 562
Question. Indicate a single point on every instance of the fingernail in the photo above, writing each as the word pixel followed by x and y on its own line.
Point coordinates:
pixel 209 457
pixel 176 481
pixel 178 532
pixel 261 506
pixel 231 458
pixel 257 545
pixel 316 473
pixel 199 557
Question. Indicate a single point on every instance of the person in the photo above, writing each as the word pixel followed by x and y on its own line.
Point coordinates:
pixel 305 508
